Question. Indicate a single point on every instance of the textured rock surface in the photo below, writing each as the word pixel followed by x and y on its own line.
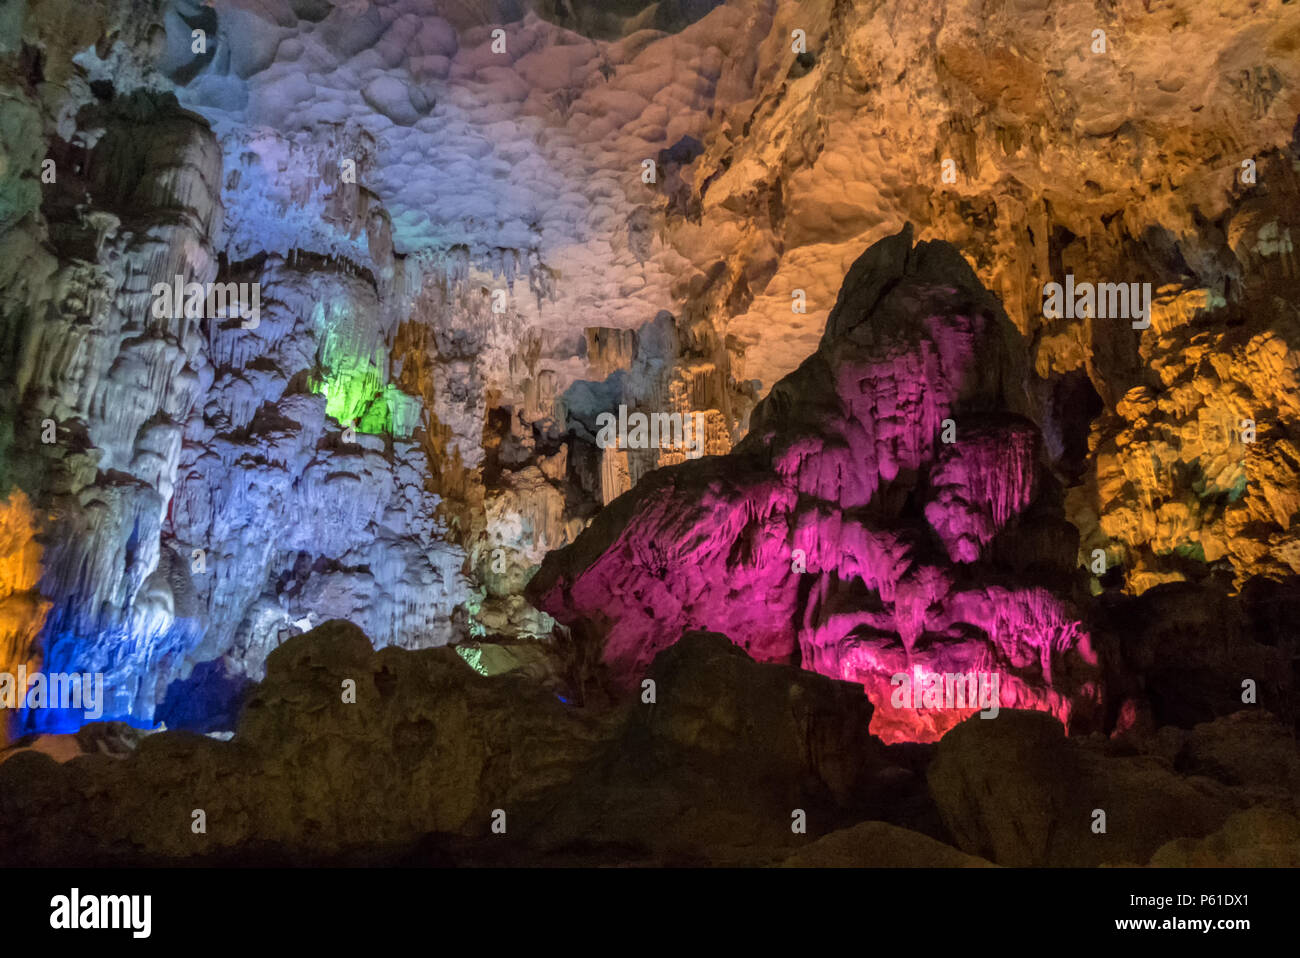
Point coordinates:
pixel 200 502
pixel 1201 467
pixel 716 765
pixel 1018 792
pixel 713 769
pixel 22 610
pixel 430 746
pixel 479 171
pixel 841 533
pixel 1254 838
pixel 1182 654
pixel 880 845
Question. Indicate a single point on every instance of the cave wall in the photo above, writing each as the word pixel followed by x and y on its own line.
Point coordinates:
pixel 461 263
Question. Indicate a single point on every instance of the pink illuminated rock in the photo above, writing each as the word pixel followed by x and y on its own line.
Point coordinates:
pixel 979 483
pixel 842 533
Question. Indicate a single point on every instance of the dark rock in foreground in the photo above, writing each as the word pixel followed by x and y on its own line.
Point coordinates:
pixel 714 759
pixel 1018 792
pixel 431 747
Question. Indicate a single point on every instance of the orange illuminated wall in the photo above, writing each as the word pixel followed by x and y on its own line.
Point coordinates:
pixel 22 609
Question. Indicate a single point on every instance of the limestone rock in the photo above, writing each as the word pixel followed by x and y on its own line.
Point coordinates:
pixel 341 748
pixel 1257 837
pixel 880 845
pixel 717 755
pixel 1016 791
pixel 22 610
pixel 816 522
pixel 427 745
pixel 1191 653
pixel 464 264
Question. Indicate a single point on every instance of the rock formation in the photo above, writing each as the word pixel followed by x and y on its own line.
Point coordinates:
pixel 420 744
pixel 22 610
pixel 199 503
pixel 1020 793
pixel 845 532
pixel 438 242
pixel 347 755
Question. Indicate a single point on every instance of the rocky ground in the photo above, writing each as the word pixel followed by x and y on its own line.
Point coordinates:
pixel 434 763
